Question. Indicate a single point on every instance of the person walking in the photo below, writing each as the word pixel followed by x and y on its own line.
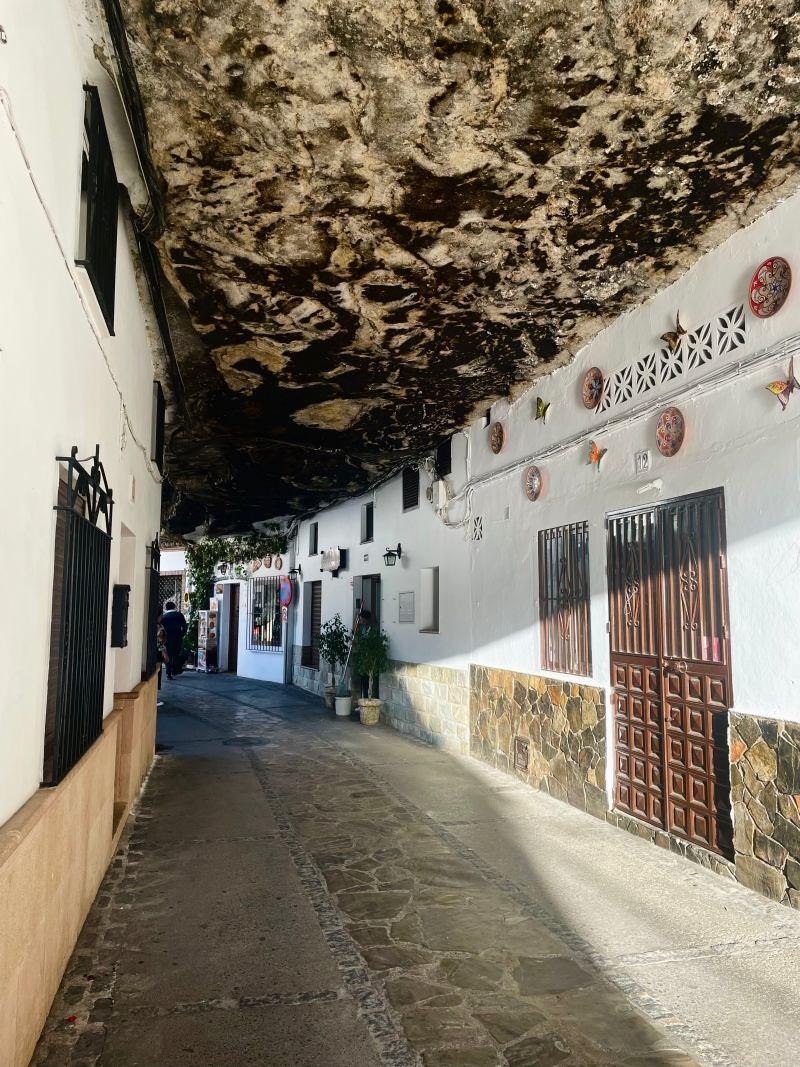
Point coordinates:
pixel 174 626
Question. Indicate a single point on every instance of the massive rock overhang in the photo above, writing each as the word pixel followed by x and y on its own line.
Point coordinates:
pixel 380 215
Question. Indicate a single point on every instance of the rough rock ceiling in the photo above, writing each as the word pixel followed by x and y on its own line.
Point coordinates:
pixel 381 214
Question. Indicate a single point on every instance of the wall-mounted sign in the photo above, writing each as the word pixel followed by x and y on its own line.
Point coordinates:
pixel 405 604
pixel 285 592
pixel 642 461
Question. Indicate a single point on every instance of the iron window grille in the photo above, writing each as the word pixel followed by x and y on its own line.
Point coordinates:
pixel 97 235
pixel 153 607
pixel 410 488
pixel 264 623
pixel 78 637
pixel 157 434
pixel 564 599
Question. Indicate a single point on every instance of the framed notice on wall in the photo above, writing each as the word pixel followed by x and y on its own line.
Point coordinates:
pixel 406 607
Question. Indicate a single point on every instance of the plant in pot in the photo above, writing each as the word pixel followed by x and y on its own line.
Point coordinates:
pixel 334 639
pixel 371 657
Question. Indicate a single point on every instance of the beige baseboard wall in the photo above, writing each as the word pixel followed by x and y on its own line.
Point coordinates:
pixel 53 855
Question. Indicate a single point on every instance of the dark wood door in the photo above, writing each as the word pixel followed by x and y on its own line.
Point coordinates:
pixel 670 667
pixel 233 630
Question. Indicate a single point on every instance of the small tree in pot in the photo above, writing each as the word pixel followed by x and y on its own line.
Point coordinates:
pixel 371 657
pixel 334 639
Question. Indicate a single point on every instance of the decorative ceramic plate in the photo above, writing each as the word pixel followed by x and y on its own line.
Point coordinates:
pixel 592 391
pixel 254 565
pixel 278 563
pixel 267 561
pixel 497 437
pixel 533 483
pixel 770 286
pixel 670 431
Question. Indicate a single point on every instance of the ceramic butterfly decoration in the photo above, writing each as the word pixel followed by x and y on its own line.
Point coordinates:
pixel 672 338
pixel 541 409
pixel 784 389
pixel 596 453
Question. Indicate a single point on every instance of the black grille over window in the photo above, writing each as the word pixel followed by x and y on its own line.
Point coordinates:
pixel 410 488
pixel 78 633
pixel 265 626
pixel 564 599
pixel 97 237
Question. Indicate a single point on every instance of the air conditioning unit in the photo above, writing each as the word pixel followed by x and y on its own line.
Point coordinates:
pixel 437 494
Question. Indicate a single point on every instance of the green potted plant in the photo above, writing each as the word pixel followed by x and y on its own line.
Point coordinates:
pixel 334 638
pixel 371 657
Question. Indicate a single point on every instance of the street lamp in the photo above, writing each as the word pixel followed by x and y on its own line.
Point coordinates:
pixel 295 573
pixel 392 555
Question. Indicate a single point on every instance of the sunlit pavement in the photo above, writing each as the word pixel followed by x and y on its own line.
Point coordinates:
pixel 299 890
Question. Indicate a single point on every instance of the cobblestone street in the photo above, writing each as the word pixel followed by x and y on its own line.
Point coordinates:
pixel 299 890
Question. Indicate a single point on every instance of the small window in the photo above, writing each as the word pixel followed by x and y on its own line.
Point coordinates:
pixel 564 599
pixel 443 458
pixel 367 522
pixel 429 600
pixel 264 623
pixel 157 433
pixel 410 488
pixel 97 233
pixel 313 539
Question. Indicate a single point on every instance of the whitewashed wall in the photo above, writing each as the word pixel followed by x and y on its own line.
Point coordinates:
pixel 56 377
pixel 737 438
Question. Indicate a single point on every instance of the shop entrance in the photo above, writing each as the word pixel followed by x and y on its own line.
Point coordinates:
pixel 670 667
pixel 367 595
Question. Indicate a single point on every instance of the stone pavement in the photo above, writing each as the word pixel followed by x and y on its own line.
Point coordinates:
pixel 295 890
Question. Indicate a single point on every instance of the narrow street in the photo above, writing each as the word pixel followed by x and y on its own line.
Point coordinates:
pixel 297 890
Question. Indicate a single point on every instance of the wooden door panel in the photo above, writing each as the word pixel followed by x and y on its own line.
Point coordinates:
pixel 670 667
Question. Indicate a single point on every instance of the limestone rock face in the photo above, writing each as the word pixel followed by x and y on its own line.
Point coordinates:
pixel 383 213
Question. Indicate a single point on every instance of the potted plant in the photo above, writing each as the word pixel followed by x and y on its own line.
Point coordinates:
pixel 371 657
pixel 333 643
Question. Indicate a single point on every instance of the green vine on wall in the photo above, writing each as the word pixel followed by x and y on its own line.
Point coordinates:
pixel 202 558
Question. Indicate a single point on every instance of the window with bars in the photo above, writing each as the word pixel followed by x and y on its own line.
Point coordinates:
pixel 97 232
pixel 410 488
pixel 265 626
pixel 367 522
pixel 564 599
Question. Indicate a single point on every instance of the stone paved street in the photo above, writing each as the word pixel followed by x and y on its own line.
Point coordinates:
pixel 297 890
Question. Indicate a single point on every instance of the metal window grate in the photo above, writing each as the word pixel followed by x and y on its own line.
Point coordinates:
pixel 100 207
pixel 154 603
pixel 264 623
pixel 410 488
pixel 564 599
pixel 74 716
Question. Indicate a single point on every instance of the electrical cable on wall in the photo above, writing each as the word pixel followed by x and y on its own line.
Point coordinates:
pixel 128 425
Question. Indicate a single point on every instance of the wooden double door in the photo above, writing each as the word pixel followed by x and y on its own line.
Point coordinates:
pixel 670 667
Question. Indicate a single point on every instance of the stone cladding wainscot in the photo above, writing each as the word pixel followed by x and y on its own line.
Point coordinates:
pixel 428 702
pixel 306 677
pixel 765 795
pixel 563 723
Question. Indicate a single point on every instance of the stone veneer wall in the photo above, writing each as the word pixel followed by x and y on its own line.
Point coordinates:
pixel 564 723
pixel 306 677
pixel 428 702
pixel 765 796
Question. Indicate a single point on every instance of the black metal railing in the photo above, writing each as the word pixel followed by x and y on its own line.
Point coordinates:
pixel 74 717
pixel 265 626
pixel 153 607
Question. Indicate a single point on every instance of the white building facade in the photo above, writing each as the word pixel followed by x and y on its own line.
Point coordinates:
pixel 82 442
pixel 627 640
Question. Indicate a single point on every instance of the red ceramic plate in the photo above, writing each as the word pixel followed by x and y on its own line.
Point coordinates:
pixel 533 483
pixel 770 286
pixel 592 391
pixel 497 437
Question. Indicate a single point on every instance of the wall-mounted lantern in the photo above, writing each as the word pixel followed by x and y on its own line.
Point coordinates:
pixel 392 555
pixel 295 573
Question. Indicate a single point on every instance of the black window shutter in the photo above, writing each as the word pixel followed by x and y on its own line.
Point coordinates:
pixel 444 461
pixel 410 488
pixel 157 438
pixel 102 206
